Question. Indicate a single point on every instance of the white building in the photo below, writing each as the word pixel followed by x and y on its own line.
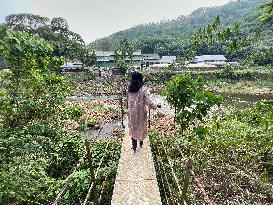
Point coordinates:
pixel 217 60
pixel 76 65
pixel 167 59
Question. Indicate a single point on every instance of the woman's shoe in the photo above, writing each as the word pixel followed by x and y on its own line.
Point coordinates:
pixel 134 145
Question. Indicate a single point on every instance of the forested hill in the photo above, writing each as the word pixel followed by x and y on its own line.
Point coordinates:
pixel 166 36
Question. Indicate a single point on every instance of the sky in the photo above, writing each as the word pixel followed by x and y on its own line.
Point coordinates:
pixel 94 19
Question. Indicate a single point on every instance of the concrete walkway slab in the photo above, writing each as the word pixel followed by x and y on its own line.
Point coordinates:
pixel 136 182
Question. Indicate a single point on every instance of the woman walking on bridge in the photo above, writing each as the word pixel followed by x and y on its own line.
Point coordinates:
pixel 138 101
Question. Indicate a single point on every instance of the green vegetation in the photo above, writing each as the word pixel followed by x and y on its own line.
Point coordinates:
pixel 173 37
pixel 65 42
pixel 234 159
pixel 227 156
pixel 37 150
pixel 266 13
pixel 190 100
pixel 216 154
pixel 124 51
pixel 105 156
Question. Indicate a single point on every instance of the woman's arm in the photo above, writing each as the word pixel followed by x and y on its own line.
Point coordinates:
pixel 148 100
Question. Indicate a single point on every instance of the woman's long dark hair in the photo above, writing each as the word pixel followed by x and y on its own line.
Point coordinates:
pixel 136 83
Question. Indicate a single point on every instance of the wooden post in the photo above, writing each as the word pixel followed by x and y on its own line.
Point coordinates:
pixel 174 118
pixel 149 119
pixel 123 92
pixel 122 111
pixel 186 182
pixel 92 173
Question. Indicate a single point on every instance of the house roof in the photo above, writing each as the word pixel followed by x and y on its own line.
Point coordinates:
pixel 151 56
pixel 137 53
pixel 69 65
pixel 112 53
pixel 167 59
pixel 210 58
pixel 105 53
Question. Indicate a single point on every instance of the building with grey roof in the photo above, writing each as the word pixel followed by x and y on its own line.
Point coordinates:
pixel 107 58
pixel 167 59
pixel 218 60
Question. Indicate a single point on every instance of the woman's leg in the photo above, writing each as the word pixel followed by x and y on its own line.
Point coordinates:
pixel 134 144
pixel 141 143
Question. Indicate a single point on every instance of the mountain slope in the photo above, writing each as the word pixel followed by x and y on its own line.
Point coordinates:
pixel 172 36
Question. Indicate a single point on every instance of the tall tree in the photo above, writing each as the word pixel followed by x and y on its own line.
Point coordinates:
pixel 89 58
pixel 103 44
pixel 124 53
pixel 266 13
pixel 214 39
pixel 65 42
pixel 26 22
pixel 59 24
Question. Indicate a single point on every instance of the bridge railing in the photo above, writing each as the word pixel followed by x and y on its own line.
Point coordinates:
pixel 97 195
pixel 173 179
pixel 175 172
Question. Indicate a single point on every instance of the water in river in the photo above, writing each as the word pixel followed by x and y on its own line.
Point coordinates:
pixel 242 100
pixel 88 97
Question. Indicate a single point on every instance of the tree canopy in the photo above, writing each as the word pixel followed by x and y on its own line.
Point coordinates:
pixel 56 31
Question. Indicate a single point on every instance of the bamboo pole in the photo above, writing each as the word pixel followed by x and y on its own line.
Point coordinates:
pixel 172 170
pixel 160 168
pixel 69 178
pixel 196 179
pixel 100 130
pixel 201 188
pixel 105 180
pixel 87 144
pixel 121 101
pixel 174 117
pixel 149 119
pixel 172 199
pixel 122 111
pixel 93 184
pixel 186 182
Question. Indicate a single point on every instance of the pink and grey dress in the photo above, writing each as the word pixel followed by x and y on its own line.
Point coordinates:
pixel 137 113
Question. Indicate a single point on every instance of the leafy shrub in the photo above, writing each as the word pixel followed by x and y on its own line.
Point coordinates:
pixel 35 150
pixel 75 112
pixel 234 159
pixel 191 101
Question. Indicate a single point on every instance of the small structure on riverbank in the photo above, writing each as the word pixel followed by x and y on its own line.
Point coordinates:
pixel 150 59
pixel 216 60
pixel 167 59
pixel 139 60
pixel 72 66
pixel 107 59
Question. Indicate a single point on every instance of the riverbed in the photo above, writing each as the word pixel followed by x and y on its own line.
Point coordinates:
pixel 230 100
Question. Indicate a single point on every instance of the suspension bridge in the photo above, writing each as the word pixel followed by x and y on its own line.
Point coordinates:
pixel 136 182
